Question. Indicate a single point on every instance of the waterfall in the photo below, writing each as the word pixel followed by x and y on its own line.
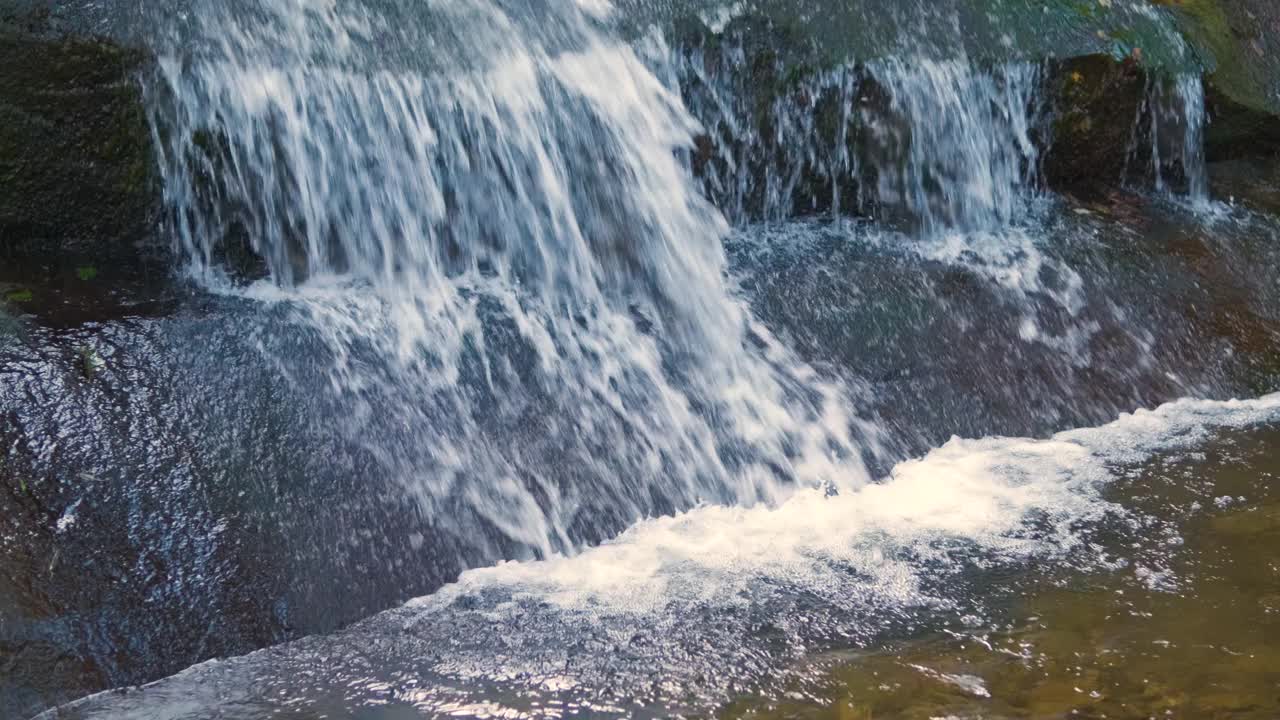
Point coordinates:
pixel 593 333
pixel 1171 119
pixel 938 144
pixel 485 216
pixel 1190 92
pixel 515 288
pixel 963 157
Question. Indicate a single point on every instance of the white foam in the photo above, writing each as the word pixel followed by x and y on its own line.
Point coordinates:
pixel 718 18
pixel 1010 498
pixel 971 491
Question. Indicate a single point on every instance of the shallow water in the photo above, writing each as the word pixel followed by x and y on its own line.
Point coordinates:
pixel 1194 634
pixel 1141 509
pixel 259 516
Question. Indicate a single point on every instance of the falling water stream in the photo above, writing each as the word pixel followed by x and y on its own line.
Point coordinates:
pixel 519 229
pixel 471 234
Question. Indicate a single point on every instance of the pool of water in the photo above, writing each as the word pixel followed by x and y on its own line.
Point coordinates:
pixel 1191 630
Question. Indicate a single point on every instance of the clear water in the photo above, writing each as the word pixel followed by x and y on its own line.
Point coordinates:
pixel 1183 624
pixel 680 614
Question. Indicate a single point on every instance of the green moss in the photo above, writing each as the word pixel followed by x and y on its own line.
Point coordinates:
pixel 1220 34
pixel 87 272
pixel 76 161
pixel 19 296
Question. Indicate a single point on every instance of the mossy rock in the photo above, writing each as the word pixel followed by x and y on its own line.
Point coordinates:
pixel 76 164
pixel 1096 99
pixel 1239 45
pixel 1238 131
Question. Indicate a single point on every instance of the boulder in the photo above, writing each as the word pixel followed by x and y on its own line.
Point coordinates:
pixel 1096 103
pixel 77 183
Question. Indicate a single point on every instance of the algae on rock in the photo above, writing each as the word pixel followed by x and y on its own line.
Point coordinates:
pixel 75 148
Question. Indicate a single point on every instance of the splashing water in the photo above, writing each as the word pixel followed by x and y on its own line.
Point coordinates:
pixel 519 292
pixel 482 236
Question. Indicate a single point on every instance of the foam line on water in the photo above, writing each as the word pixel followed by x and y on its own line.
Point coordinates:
pixel 685 609
pixel 978 492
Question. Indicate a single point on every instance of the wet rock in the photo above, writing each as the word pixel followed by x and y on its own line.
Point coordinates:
pixel 77 186
pixel 804 98
pixel 224 529
pixel 1237 130
pixel 1101 127
pixel 1238 43
pixel 79 196
pixel 1097 100
pixel 1251 181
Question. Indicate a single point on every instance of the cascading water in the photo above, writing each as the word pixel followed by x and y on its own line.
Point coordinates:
pixel 969 159
pixel 514 261
pixel 1173 118
pixel 522 293
pixel 944 154
pixel 500 261
pixel 1190 92
pixel 937 144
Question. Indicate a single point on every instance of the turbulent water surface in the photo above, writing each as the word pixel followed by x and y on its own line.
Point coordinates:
pixel 650 387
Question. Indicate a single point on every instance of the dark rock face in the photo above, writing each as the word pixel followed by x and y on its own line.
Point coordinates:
pixel 165 499
pixel 1097 100
pixel 1238 131
pixel 76 180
